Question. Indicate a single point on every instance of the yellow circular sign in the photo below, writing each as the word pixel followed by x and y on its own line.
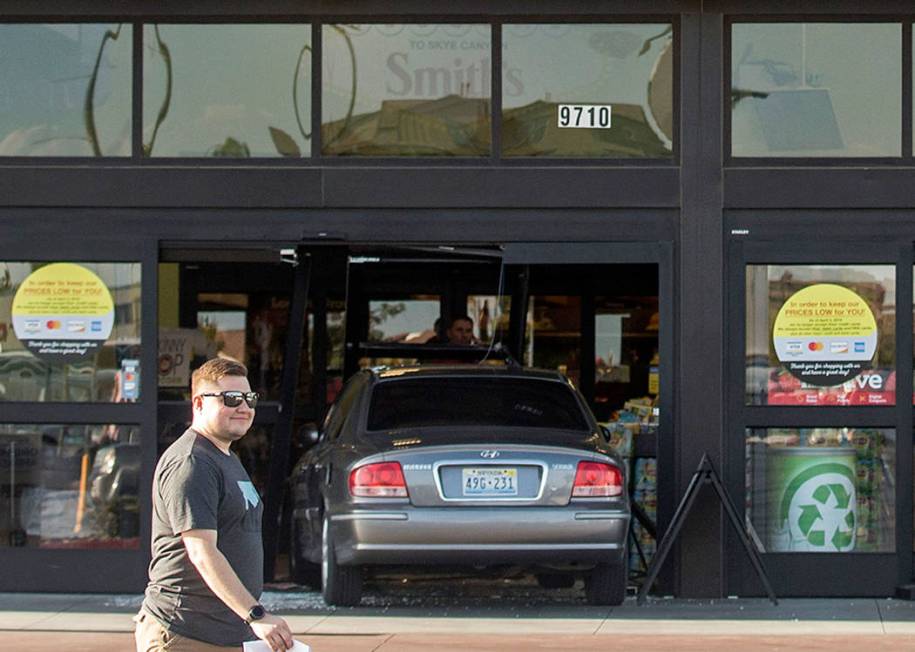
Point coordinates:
pixel 824 334
pixel 62 310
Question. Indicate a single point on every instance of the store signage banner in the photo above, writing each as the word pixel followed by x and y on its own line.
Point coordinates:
pixel 62 312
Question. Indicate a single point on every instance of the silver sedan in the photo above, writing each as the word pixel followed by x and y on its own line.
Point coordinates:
pixel 472 465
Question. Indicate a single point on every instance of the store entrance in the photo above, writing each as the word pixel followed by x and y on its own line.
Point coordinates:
pixel 303 319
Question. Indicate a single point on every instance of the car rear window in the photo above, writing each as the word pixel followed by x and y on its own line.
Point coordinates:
pixel 432 402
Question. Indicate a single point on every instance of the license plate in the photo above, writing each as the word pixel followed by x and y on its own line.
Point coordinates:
pixel 489 482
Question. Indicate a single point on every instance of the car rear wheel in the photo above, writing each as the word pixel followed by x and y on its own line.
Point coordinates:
pixel 556 580
pixel 606 584
pixel 341 586
pixel 301 570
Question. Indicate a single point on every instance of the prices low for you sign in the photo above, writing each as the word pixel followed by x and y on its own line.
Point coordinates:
pixel 825 334
pixel 62 312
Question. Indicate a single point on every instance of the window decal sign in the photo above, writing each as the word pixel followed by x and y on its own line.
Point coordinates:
pixel 825 334
pixel 62 312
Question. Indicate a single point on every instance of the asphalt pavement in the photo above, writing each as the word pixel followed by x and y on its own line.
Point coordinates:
pixel 442 615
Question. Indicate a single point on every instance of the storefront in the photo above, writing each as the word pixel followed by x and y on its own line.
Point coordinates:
pixel 702 217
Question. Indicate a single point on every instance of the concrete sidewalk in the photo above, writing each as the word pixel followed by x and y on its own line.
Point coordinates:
pixel 31 612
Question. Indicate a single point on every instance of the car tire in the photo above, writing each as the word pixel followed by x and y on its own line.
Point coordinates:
pixel 606 584
pixel 556 580
pixel 301 571
pixel 341 586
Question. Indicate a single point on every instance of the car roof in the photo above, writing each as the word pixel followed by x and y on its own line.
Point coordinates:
pixel 464 371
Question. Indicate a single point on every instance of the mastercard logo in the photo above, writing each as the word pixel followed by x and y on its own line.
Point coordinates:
pixel 815 346
pixel 52 324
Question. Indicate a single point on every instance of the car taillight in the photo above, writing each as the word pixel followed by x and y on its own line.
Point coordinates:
pixel 381 480
pixel 595 479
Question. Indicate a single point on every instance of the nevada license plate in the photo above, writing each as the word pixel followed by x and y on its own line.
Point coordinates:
pixel 489 482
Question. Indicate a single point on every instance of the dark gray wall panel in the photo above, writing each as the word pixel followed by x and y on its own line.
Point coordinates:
pixel 484 187
pixel 391 225
pixel 173 186
pixel 798 187
pixel 178 8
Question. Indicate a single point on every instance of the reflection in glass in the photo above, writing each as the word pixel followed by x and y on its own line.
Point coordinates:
pixel 555 335
pixel 109 372
pixel 247 323
pixel 490 315
pixel 406 90
pixel 66 90
pixel 227 90
pixel 628 67
pixel 823 490
pixel 821 335
pixel 67 486
pixel 626 364
pixel 816 89
pixel 408 321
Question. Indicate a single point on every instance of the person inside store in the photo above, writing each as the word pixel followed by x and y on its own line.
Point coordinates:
pixel 206 572
pixel 460 331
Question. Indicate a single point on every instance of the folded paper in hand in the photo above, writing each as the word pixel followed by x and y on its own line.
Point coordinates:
pixel 261 646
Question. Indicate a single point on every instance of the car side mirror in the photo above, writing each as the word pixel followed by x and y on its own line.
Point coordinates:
pixel 605 431
pixel 308 435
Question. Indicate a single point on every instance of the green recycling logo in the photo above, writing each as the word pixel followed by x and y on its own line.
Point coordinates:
pixel 819 507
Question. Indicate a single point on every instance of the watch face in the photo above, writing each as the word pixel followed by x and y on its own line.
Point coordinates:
pixel 257 612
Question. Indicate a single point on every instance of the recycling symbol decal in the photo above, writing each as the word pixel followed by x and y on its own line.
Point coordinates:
pixel 819 507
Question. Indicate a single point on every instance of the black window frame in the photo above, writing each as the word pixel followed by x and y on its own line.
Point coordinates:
pixel 795 571
pixel 90 569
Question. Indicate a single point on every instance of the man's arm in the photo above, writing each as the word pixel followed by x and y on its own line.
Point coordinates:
pixel 219 575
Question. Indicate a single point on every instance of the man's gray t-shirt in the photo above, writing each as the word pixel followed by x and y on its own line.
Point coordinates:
pixel 198 487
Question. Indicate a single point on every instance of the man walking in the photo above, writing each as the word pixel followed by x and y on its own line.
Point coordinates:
pixel 207 555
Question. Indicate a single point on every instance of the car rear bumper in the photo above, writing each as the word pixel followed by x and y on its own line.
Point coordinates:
pixel 458 535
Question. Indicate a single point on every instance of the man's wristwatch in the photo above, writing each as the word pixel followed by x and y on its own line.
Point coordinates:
pixel 257 612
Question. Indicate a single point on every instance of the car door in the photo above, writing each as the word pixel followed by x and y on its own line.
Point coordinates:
pixel 318 464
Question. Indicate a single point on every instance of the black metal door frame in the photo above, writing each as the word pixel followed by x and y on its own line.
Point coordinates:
pixel 86 569
pixel 813 574
pixel 620 253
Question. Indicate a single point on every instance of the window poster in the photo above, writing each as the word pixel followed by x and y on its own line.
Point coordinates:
pixel 825 337
pixel 63 312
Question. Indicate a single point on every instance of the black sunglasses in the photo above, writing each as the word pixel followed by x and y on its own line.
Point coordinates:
pixel 234 398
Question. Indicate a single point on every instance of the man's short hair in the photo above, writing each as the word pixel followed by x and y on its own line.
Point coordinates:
pixel 458 318
pixel 214 370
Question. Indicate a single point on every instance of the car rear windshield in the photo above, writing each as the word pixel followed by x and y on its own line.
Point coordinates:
pixel 513 402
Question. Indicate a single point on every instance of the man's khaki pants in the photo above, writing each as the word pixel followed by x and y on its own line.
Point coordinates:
pixel 153 637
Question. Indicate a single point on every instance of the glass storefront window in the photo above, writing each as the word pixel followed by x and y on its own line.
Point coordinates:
pixel 248 324
pixel 821 335
pixel 408 321
pixel 816 89
pixel 69 486
pixel 70 332
pixel 490 314
pixel 65 89
pixel 623 71
pixel 823 490
pixel 233 91
pixel 555 335
pixel 626 358
pixel 406 90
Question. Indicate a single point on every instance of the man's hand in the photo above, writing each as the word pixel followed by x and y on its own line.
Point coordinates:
pixel 274 631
